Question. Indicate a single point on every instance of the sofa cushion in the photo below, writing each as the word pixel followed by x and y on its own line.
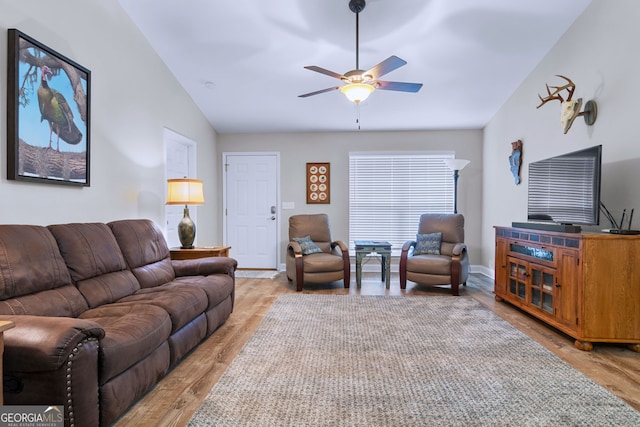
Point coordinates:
pixel 65 301
pixel 183 303
pixel 217 287
pixel 430 264
pixel 108 288
pixel 33 276
pixel 322 263
pixel 95 262
pixel 145 250
pixel 132 332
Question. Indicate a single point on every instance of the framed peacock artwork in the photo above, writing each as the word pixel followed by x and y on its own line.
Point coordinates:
pixel 48 115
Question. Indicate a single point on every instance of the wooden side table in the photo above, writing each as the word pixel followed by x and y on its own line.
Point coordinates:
pixel 4 325
pixel 203 252
pixel 365 247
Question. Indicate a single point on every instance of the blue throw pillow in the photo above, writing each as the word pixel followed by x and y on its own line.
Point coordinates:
pixel 428 244
pixel 307 245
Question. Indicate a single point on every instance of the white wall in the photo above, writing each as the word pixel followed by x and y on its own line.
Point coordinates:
pixel 133 97
pixel 296 149
pixel 595 53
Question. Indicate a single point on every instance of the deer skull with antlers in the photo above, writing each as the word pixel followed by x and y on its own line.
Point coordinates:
pixel 570 107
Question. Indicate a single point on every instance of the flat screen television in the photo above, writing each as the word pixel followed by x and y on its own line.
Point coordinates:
pixel 565 189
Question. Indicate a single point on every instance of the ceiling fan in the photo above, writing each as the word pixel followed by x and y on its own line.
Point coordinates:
pixel 360 84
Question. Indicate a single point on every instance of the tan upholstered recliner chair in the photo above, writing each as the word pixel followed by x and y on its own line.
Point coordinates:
pixel 430 260
pixel 326 261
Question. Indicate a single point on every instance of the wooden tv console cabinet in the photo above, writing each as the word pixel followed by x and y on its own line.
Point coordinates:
pixel 587 285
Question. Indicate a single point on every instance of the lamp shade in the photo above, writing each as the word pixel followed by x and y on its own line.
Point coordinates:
pixel 456 164
pixel 185 191
pixel 357 92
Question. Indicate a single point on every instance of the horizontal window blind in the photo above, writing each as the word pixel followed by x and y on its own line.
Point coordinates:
pixel 388 192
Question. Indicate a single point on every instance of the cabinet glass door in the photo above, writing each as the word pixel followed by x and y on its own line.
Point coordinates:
pixel 535 287
pixel 542 281
pixel 547 282
pixel 518 278
pixel 547 302
pixel 535 297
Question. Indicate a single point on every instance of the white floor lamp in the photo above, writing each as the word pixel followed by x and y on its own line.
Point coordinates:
pixel 456 165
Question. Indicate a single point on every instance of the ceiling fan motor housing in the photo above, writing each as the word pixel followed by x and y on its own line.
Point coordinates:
pixel 357 6
pixel 357 76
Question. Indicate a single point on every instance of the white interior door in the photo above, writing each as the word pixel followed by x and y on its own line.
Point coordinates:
pixel 251 208
pixel 180 162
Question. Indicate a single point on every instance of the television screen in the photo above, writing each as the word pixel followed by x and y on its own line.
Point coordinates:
pixel 566 189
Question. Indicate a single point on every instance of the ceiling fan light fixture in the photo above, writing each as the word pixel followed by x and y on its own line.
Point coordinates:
pixel 357 92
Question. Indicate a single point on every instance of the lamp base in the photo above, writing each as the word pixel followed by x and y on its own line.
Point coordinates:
pixel 186 230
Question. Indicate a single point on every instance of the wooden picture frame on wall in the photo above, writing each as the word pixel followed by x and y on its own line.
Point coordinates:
pixel 318 183
pixel 48 115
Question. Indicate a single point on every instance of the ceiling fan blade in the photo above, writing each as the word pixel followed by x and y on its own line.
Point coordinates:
pixel 386 66
pixel 325 71
pixel 399 86
pixel 329 89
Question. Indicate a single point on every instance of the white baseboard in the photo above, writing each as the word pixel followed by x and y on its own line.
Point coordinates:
pixel 481 269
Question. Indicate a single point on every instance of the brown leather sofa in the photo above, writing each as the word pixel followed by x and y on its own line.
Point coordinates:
pixel 101 313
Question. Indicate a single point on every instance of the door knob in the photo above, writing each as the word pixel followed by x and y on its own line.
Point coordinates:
pixel 273 218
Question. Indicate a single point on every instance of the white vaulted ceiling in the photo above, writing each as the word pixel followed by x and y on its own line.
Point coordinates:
pixel 242 61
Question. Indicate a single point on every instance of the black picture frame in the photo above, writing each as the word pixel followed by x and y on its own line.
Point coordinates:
pixel 48 114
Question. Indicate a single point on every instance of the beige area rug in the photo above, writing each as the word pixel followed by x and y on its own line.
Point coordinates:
pixel 352 360
pixel 257 274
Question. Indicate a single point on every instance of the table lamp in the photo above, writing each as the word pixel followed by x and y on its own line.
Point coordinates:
pixel 456 165
pixel 185 191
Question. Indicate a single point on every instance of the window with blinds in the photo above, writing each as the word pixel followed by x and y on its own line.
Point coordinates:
pixel 388 192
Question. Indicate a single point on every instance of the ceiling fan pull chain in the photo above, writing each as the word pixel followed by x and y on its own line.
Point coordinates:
pixel 357 107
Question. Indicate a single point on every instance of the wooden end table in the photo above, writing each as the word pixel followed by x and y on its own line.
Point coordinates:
pixel 202 252
pixel 365 247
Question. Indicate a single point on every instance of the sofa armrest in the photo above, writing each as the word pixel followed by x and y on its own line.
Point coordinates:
pixel 406 247
pixel 54 360
pixel 459 249
pixel 205 266
pixel 340 244
pixel 40 343
pixel 294 249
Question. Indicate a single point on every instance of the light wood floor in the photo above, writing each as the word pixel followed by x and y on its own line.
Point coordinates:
pixel 173 401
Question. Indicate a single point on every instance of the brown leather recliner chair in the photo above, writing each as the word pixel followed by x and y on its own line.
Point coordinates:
pixel 436 261
pixel 312 257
